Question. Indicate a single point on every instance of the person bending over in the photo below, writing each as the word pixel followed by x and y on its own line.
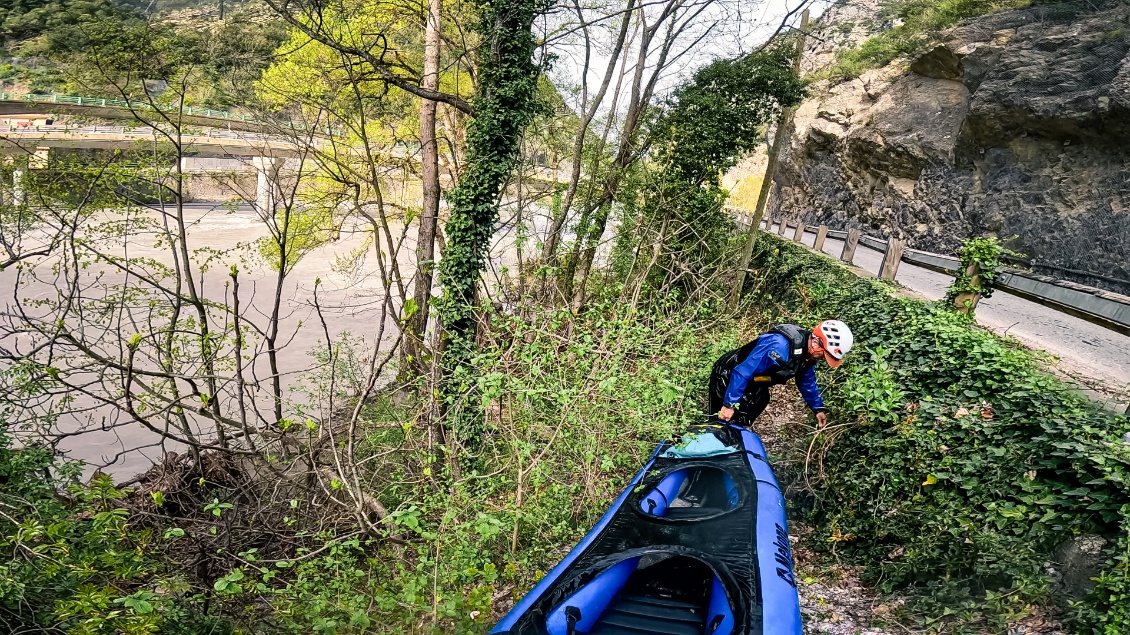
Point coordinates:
pixel 740 380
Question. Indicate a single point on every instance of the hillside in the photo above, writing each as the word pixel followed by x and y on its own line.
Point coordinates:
pixel 1013 124
pixel 42 46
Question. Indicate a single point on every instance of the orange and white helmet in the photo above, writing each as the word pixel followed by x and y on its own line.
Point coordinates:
pixel 837 339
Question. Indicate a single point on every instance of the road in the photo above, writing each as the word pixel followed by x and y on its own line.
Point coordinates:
pixel 1096 357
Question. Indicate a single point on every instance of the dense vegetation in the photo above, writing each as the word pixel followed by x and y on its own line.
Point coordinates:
pixel 955 469
pixel 965 464
pixel 337 500
pixel 573 405
pixel 44 46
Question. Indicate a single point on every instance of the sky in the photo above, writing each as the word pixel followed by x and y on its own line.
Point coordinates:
pixel 727 28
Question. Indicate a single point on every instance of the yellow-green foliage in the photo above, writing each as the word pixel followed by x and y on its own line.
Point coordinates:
pixel 297 232
pixel 318 77
pixel 745 191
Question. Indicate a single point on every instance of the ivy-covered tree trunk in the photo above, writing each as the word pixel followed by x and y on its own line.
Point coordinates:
pixel 506 102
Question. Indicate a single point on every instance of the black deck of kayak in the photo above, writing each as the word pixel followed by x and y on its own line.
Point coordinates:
pixel 722 541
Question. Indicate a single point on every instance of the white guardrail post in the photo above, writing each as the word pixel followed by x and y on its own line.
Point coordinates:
pixel 891 258
pixel 851 243
pixel 821 236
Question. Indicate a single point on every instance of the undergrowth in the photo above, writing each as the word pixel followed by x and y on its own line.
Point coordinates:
pixel 953 469
pixel 964 465
pixel 574 405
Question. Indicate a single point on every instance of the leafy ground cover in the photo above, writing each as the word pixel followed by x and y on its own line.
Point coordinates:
pixel 958 465
pixel 573 405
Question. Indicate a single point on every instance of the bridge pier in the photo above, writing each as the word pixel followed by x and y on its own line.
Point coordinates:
pixel 267 186
pixel 19 192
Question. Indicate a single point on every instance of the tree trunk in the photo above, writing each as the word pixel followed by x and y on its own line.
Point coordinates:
pixel 584 263
pixel 779 140
pixel 626 154
pixel 505 104
pixel 429 216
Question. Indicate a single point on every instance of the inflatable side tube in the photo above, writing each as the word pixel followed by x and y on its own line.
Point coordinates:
pixel 753 443
pixel 656 502
pixel 780 604
pixel 719 611
pixel 592 598
pixel 535 594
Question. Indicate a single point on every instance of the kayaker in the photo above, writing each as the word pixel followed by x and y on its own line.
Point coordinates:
pixel 740 381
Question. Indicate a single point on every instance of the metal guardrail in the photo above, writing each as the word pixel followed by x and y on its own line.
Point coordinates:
pixel 120 103
pixel 100 102
pixel 1098 306
pixel 138 131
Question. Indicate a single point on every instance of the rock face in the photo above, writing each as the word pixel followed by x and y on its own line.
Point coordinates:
pixel 1075 564
pixel 1015 125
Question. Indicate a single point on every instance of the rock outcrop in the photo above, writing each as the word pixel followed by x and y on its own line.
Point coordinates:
pixel 1016 125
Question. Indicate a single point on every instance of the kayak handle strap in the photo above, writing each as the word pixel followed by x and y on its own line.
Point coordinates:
pixel 572 616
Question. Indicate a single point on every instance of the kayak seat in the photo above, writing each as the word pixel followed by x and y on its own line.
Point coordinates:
pixel 650 616
pixel 664 596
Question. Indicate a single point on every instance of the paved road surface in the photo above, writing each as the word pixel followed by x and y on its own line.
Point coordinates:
pixel 1096 356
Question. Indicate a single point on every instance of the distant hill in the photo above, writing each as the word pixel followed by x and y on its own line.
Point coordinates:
pixel 37 38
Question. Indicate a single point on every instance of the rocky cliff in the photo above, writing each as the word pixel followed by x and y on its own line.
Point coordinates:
pixel 1016 125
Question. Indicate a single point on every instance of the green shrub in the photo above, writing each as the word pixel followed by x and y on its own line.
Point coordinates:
pixel 967 464
pixel 76 563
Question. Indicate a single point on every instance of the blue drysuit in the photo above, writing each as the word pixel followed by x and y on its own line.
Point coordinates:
pixel 759 362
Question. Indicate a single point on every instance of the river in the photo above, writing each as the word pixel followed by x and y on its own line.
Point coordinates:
pixel 350 298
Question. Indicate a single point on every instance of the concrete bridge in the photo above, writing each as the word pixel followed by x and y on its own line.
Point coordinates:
pixel 224 134
pixel 30 148
pixel 17 141
pixel 102 108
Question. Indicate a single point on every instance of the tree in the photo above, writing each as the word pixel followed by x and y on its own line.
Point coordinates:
pixel 429 171
pixel 505 103
pixel 589 107
pixel 710 123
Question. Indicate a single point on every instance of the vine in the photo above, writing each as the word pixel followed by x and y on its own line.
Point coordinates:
pixel 505 103
pixel 708 125
pixel 986 253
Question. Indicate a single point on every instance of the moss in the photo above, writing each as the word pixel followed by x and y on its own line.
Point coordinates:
pixel 921 23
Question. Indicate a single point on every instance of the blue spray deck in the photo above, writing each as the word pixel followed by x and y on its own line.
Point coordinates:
pixel 696 544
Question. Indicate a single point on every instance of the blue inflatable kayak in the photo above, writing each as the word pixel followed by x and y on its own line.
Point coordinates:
pixel 696 545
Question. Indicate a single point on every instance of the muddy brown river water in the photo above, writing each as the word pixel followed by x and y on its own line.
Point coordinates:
pixel 350 298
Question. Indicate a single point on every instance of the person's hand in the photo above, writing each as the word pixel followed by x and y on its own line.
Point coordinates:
pixel 821 420
pixel 726 413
